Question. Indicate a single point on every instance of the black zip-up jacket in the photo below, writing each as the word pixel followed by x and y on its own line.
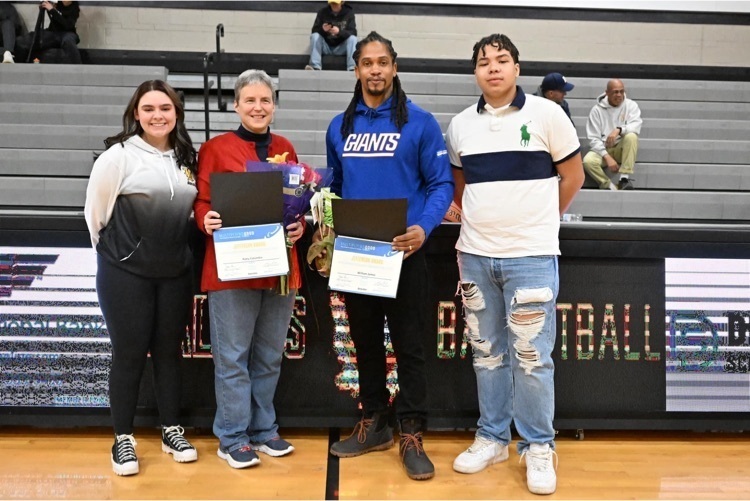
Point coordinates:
pixel 344 20
pixel 64 17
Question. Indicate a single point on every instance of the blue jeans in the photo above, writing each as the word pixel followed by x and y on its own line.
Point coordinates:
pixel 509 307
pixel 319 47
pixel 248 332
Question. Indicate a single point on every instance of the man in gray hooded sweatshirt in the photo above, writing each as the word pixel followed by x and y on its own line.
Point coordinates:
pixel 613 127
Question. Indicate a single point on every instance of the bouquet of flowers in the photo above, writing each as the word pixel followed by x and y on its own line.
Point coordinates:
pixel 321 250
pixel 300 181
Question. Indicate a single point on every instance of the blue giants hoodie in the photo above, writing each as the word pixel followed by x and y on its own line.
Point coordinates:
pixel 376 161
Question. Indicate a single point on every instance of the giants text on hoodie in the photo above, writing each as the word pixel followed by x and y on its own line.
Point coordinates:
pixel 371 144
pixel 376 160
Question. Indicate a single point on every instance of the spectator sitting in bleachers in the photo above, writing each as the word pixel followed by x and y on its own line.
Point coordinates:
pixel 10 27
pixel 554 87
pixel 612 128
pixel 61 33
pixel 334 32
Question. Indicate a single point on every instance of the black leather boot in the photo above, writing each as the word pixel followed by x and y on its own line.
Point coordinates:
pixel 418 466
pixel 369 435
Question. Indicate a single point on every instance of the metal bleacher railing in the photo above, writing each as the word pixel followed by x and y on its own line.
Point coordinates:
pixel 213 59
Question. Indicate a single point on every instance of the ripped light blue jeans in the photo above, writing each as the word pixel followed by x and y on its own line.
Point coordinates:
pixel 509 307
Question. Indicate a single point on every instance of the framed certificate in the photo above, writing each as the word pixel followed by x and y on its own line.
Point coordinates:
pixel 366 267
pixel 251 252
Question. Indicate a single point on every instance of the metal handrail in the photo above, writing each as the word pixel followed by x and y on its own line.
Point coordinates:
pixel 219 35
pixel 207 58
pixel 215 59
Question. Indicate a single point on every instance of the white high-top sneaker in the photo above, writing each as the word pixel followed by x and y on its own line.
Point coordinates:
pixel 540 470
pixel 480 455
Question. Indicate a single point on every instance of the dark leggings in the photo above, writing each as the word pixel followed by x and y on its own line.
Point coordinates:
pixel 142 315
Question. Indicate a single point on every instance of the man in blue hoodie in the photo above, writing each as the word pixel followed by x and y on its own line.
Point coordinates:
pixel 384 146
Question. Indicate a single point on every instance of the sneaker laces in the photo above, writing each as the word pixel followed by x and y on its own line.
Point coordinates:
pixel 174 435
pixel 125 448
pixel 361 429
pixel 539 461
pixel 411 441
pixel 479 444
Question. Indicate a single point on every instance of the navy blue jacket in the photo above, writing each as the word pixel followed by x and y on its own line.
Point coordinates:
pixel 376 161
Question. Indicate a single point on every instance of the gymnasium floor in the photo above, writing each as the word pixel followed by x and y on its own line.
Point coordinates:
pixel 74 464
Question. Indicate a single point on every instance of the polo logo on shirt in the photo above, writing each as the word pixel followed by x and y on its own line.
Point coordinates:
pixel 525 136
pixel 368 144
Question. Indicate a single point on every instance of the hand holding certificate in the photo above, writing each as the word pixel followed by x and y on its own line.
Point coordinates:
pixel 250 252
pixel 365 267
pixel 364 261
pixel 251 243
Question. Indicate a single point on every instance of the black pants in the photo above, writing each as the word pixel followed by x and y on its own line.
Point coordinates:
pixel 406 317
pixel 65 40
pixel 142 315
pixel 8 21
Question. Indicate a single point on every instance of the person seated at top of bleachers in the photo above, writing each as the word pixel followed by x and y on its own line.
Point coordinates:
pixel 10 26
pixel 554 87
pixel 61 33
pixel 613 127
pixel 334 32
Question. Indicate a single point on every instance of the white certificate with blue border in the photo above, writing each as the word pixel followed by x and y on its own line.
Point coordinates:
pixel 251 252
pixel 365 266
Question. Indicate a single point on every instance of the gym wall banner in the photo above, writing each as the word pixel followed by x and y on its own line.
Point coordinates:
pixel 636 338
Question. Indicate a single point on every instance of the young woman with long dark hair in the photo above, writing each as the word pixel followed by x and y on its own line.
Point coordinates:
pixel 138 205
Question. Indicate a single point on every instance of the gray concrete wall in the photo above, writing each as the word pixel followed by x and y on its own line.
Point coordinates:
pixel 131 28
